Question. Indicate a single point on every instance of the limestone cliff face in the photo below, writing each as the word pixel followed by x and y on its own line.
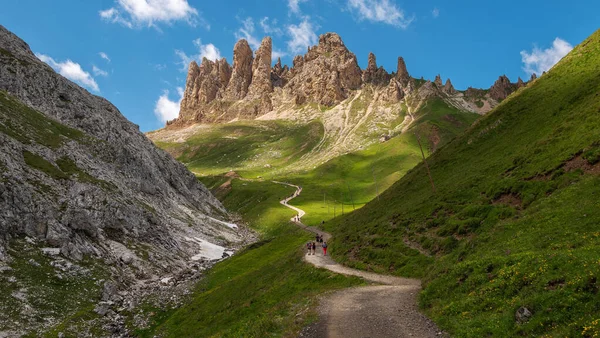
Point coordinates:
pixel 204 84
pixel 241 77
pixel 327 73
pixel 261 82
pixel 372 74
pixel 105 184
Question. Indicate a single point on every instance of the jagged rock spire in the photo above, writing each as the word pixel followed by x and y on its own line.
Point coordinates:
pixel 448 87
pixel 520 83
pixel 438 81
pixel 501 88
pixel 241 76
pixel 261 69
pixel 533 77
pixel 402 74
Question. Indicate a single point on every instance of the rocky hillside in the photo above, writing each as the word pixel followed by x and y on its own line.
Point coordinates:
pixel 327 75
pixel 81 183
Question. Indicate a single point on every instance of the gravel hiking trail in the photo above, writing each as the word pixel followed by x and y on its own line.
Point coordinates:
pixel 385 310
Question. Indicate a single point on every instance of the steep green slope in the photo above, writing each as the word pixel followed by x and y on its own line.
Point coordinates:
pixel 515 219
pixel 266 290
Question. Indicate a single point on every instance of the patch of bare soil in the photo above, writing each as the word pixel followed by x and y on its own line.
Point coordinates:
pixel 579 162
pixel 509 199
pixel 434 137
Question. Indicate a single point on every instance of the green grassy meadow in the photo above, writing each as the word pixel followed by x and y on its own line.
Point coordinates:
pixel 265 290
pixel 515 220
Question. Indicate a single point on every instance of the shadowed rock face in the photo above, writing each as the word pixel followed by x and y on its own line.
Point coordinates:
pixel 104 181
pixel 242 71
pixel 502 88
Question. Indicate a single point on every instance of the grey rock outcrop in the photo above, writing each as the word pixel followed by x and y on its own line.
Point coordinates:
pixel 90 182
pixel 438 81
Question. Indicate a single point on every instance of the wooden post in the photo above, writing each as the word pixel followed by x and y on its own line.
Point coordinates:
pixel 425 161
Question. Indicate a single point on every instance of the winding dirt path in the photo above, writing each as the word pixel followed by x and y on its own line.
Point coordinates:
pixel 387 310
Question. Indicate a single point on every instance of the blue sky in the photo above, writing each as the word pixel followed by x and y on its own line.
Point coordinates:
pixel 134 52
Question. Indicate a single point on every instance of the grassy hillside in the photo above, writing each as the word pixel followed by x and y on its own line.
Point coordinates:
pixel 266 290
pixel 515 219
pixel 251 148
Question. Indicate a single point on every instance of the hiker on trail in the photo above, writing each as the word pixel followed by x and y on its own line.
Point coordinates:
pixel 324 248
pixel 317 238
pixel 308 247
pixel 314 248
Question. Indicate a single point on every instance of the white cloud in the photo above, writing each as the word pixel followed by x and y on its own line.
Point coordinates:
pixel 294 5
pixel 270 27
pixel 165 109
pixel 134 13
pixel 379 11
pixel 71 71
pixel 301 36
pixel 208 51
pixel 99 72
pixel 435 12
pixel 104 56
pixel 539 61
pixel 247 32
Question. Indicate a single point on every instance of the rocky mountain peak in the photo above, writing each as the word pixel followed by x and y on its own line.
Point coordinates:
pixel 533 77
pixel 520 83
pixel 326 72
pixel 241 76
pixel 438 81
pixel 261 69
pixel 448 87
pixel 372 74
pixel 401 72
pixel 501 88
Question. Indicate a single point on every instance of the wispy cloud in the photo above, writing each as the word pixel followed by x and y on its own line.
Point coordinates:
pixel 104 56
pixel 435 12
pixel 538 60
pixel 382 11
pixel 247 32
pixel 72 71
pixel 294 6
pixel 138 13
pixel 99 72
pixel 165 109
pixel 301 36
pixel 270 26
pixel 208 51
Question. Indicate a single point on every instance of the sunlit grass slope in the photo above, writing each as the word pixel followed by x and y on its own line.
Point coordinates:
pixel 266 290
pixel 515 221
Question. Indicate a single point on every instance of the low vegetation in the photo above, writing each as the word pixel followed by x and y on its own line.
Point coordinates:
pixel 513 223
pixel 265 290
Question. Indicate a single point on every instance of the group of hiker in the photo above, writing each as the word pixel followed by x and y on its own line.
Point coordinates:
pixel 312 246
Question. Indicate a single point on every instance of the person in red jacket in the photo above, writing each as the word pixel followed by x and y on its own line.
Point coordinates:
pixel 324 245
